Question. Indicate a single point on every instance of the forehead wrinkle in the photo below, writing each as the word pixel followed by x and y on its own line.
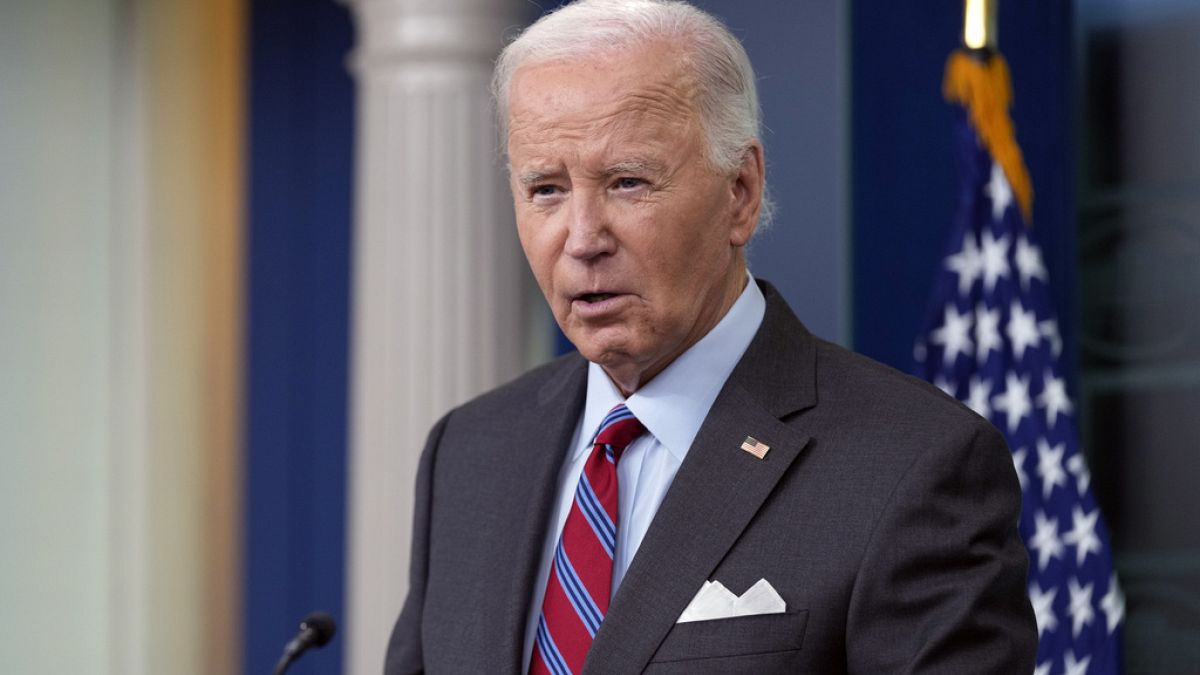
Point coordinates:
pixel 653 105
pixel 666 99
pixel 596 123
pixel 670 101
pixel 606 144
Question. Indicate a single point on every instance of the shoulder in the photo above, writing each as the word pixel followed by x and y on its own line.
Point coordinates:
pixel 872 390
pixel 537 388
pixel 885 422
pixel 844 396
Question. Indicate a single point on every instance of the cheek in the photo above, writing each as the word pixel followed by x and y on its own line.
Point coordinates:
pixel 679 252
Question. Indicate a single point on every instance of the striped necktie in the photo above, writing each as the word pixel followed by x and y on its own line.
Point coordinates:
pixel 580 579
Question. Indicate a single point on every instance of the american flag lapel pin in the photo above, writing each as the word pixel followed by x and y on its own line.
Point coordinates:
pixel 755 447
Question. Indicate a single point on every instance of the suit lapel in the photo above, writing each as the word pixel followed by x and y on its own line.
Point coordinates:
pixel 717 491
pixel 546 427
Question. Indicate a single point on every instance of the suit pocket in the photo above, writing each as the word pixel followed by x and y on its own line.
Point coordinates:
pixel 738 636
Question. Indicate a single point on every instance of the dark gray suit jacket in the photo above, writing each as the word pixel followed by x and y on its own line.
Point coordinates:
pixel 884 514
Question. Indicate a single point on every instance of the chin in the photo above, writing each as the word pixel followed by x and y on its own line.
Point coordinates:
pixel 605 355
pixel 608 353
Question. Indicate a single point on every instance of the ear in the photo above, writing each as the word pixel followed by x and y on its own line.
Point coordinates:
pixel 748 185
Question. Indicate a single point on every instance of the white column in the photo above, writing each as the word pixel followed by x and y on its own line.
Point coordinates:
pixel 56 270
pixel 440 286
pixel 119 332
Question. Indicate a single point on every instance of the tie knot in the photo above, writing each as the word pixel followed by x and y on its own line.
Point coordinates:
pixel 619 429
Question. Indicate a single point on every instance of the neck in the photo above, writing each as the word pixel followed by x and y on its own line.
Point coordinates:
pixel 630 379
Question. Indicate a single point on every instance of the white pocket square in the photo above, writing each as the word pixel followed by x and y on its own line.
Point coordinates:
pixel 714 601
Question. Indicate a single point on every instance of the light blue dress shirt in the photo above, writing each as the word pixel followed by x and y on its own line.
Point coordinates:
pixel 671 407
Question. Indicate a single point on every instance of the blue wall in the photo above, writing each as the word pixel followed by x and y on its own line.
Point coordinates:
pixel 300 170
pixel 904 183
pixel 799 54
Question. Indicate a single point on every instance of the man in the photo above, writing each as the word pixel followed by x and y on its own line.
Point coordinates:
pixel 603 513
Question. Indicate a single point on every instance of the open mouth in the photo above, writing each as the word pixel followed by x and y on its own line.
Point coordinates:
pixel 596 297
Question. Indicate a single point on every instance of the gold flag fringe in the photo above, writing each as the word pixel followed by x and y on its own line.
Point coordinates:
pixel 985 90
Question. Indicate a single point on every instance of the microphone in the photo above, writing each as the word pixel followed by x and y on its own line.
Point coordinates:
pixel 316 630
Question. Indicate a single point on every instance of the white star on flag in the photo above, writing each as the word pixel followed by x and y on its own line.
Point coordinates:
pixel 987 332
pixel 1083 534
pixel 1043 668
pixel 1050 466
pixel 1048 329
pixel 1113 604
pixel 1078 468
pixel 954 335
pixel 1029 262
pixel 1073 667
pixel 1022 329
pixel 1054 398
pixel 979 393
pixel 1014 402
pixel 1000 192
pixel 1019 465
pixel 1043 608
pixel 994 258
pixel 1081 605
pixel 1045 541
pixel 966 264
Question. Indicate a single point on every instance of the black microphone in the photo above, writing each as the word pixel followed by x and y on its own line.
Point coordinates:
pixel 316 630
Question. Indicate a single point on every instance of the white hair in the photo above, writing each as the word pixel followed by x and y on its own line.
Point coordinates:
pixel 726 99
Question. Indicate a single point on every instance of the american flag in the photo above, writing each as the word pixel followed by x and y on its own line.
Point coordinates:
pixel 755 447
pixel 992 341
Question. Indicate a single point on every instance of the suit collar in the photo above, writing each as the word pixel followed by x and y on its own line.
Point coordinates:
pixel 779 369
pixel 543 427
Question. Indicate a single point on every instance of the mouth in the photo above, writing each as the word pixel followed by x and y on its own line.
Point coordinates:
pixel 599 305
pixel 595 297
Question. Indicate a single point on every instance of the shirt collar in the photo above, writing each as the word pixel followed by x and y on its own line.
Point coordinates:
pixel 674 404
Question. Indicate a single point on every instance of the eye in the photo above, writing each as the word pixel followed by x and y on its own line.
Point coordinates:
pixel 629 183
pixel 545 194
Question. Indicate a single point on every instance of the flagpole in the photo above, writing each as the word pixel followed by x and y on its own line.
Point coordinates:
pixel 977 78
pixel 979 26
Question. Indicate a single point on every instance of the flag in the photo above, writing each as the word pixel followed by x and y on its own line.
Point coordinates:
pixel 992 340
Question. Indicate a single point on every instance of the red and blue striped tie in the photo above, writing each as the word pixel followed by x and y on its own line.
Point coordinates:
pixel 581 577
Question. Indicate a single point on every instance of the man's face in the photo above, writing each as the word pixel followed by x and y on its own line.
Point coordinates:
pixel 634 239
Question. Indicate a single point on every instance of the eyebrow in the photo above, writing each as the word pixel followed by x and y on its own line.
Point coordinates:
pixel 532 177
pixel 639 166
pixel 635 166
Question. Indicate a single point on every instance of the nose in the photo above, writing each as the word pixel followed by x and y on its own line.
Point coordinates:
pixel 588 232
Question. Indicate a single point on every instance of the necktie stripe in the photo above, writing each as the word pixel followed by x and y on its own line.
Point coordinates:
pixel 581 600
pixel 591 563
pixel 564 623
pixel 602 483
pixel 580 580
pixel 594 513
pixel 549 651
pixel 617 414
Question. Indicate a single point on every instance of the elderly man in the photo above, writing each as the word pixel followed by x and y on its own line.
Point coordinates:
pixel 705 487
